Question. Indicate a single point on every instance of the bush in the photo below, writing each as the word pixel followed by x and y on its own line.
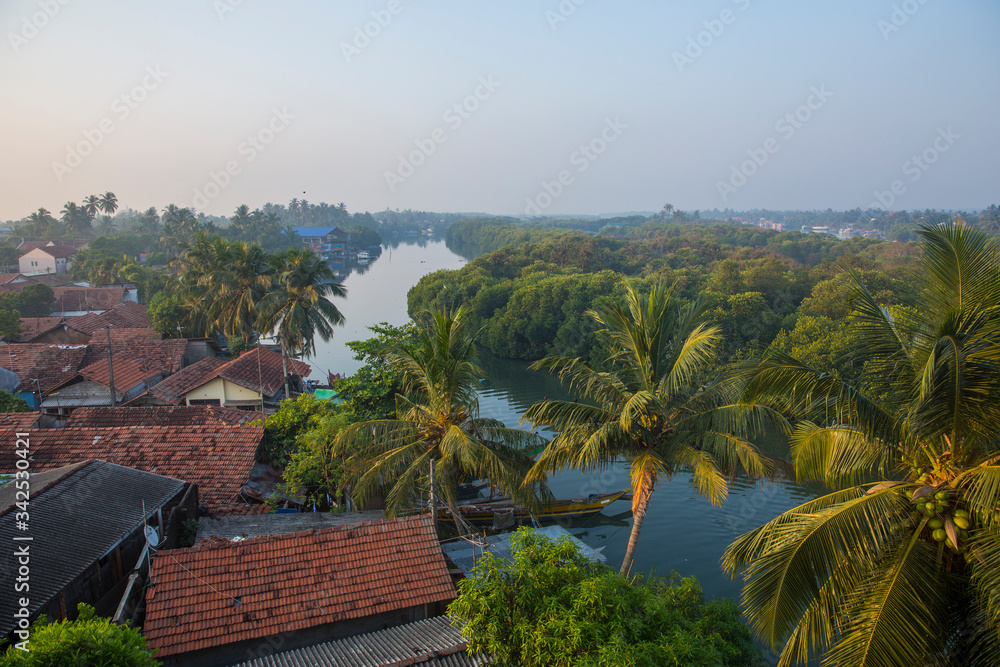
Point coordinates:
pixel 87 641
pixel 11 403
pixel 552 606
pixel 292 419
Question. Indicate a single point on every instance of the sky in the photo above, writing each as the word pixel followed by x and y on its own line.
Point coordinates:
pixel 520 107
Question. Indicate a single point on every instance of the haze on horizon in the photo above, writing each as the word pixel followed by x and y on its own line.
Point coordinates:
pixel 575 106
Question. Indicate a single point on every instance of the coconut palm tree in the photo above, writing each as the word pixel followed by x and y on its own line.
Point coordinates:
pixel 653 409
pixel 298 308
pixel 91 205
pixel 437 424
pixel 235 288
pixel 108 203
pixel 900 564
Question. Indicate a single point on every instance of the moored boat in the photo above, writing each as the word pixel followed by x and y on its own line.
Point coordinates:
pixel 505 511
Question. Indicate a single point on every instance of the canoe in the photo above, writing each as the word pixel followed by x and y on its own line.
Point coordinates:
pixel 505 512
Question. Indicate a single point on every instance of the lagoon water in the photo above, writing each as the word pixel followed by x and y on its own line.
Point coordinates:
pixel 682 532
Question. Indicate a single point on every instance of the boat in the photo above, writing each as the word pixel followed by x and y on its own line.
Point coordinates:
pixel 364 256
pixel 505 512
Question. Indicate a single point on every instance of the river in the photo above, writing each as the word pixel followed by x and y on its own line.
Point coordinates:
pixel 682 532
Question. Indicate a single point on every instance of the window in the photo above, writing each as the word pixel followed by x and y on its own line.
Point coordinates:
pixel 206 401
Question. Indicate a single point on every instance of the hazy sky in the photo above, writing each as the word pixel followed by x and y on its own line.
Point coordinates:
pixel 486 106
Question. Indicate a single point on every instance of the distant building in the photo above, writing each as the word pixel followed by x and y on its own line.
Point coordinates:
pixel 324 240
pixel 46 259
pixel 215 604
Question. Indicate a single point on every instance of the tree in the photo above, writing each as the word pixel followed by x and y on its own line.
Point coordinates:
pixel 552 606
pixel 654 408
pixel 316 471
pixel 31 301
pixel 8 258
pixel 91 205
pixel 900 564
pixel 168 315
pixel 371 392
pixel 87 641
pixel 11 403
pixel 437 423
pixel 74 218
pixel 298 306
pixel 108 203
pixel 293 418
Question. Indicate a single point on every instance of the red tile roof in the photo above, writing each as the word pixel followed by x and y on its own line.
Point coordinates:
pixel 7 277
pixel 53 280
pixel 200 415
pixel 89 299
pixel 260 369
pixel 129 373
pixel 173 389
pixel 19 421
pixel 28 246
pixel 217 458
pixel 33 327
pixel 125 315
pixel 290 582
pixel 166 355
pixel 58 250
pixel 51 364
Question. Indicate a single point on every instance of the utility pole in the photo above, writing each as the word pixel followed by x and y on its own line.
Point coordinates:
pixel 111 369
pixel 434 510
pixel 284 366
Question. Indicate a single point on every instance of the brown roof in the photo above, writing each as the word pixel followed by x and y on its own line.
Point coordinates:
pixel 72 298
pixel 58 250
pixel 173 389
pixel 260 369
pixel 225 592
pixel 19 421
pixel 53 280
pixel 33 327
pixel 166 355
pixel 7 277
pixel 200 415
pixel 125 315
pixel 129 373
pixel 217 458
pixel 28 246
pixel 51 364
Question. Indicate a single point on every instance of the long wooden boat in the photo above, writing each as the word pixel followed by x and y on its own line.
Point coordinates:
pixel 501 511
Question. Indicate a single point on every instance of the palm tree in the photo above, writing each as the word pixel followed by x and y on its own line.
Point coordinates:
pixel 39 222
pixel 235 287
pixel 900 564
pixel 437 424
pixel 652 409
pixel 108 203
pixel 75 218
pixel 298 306
pixel 91 205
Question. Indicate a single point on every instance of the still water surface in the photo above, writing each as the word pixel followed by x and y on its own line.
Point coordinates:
pixel 682 530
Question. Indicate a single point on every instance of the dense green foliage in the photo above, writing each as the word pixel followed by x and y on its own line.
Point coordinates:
pixel 900 564
pixel 293 418
pixel 371 392
pixel 87 641
pixel 553 607
pixel 316 471
pixel 11 403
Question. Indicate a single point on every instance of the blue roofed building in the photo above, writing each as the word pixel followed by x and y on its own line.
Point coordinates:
pixel 324 241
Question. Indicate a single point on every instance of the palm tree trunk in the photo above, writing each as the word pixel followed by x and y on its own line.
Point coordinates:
pixel 456 516
pixel 638 515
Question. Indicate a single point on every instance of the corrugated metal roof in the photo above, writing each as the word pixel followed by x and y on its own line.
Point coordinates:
pixel 434 642
pixel 76 518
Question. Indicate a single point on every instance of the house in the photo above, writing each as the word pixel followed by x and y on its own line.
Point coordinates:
pixel 46 259
pixel 87 533
pixel 92 385
pixel 42 367
pixel 254 381
pixel 74 300
pixel 432 642
pixel 324 240
pixel 81 328
pixel 106 417
pixel 216 603
pixel 46 330
pixel 217 458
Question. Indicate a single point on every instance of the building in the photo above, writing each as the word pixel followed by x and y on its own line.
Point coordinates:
pixel 254 381
pixel 74 300
pixel 214 604
pixel 42 367
pixel 432 642
pixel 87 528
pixel 50 258
pixel 92 385
pixel 324 241
pixel 80 329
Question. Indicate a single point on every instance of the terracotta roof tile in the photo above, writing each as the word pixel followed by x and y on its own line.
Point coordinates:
pixel 7 277
pixel 289 582
pixel 200 415
pixel 58 250
pixel 173 389
pixel 260 369
pixel 125 315
pixel 87 299
pixel 33 327
pixel 129 373
pixel 217 458
pixel 52 365
pixel 166 355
